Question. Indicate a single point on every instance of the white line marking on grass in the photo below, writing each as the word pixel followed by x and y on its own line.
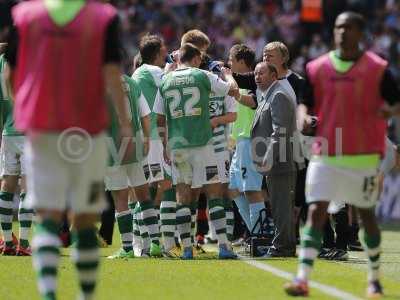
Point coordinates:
pixel 326 289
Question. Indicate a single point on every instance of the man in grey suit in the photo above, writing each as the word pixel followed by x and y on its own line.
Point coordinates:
pixel 273 151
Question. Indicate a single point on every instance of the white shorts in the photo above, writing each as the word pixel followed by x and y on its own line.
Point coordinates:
pixel 223 164
pixel 340 185
pixel 12 155
pixel 57 180
pixel 195 166
pixel 123 176
pixel 158 168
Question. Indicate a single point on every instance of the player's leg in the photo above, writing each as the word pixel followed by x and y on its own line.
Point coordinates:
pixel 168 217
pixel 182 177
pixel 318 194
pixel 256 205
pixel 143 232
pixel 230 220
pixel 85 255
pixel 137 242
pixel 372 247
pixel 183 218
pixel 116 181
pixel 25 216
pixel 160 176
pixel 243 206
pixel 46 251
pixel 25 213
pixel 251 183
pixel 10 171
pixel 223 164
pixel 156 172
pixel 87 201
pixel 235 177
pixel 149 217
pixel 310 245
pixel 148 214
pixel 138 174
pixel 193 213
pixel 47 195
pixel 206 173
pixel 155 175
pixel 8 187
pixel 216 211
pixel 123 216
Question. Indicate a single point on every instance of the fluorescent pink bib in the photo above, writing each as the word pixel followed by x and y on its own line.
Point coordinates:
pixel 58 78
pixel 347 104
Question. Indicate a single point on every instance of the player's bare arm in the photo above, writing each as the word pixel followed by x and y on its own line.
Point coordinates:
pixel 162 131
pixel 304 120
pixel 112 76
pixel 146 125
pixel 222 120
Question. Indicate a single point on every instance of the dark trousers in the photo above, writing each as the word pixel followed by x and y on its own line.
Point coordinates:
pixel 281 189
pixel 202 221
pixel 342 230
pixel 107 220
pixel 300 198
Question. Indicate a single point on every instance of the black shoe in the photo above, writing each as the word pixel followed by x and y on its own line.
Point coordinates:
pixel 324 253
pixel 355 246
pixel 339 254
pixel 272 252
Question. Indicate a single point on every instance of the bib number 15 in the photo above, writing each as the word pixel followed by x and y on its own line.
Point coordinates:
pixel 189 108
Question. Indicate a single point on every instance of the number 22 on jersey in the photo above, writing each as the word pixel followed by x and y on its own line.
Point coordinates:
pixel 190 97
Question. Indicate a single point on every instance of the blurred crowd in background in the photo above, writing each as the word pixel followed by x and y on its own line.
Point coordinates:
pixel 304 25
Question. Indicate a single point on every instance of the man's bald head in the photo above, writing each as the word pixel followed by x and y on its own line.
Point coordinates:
pixel 265 74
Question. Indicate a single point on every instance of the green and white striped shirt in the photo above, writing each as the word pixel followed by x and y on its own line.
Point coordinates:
pixel 220 106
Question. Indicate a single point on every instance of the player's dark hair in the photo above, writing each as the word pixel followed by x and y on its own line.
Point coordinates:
pixel 187 52
pixel 241 51
pixel 356 19
pixel 149 48
pixel 205 61
pixel 137 61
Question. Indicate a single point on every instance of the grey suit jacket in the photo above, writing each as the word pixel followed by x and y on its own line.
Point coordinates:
pixel 272 132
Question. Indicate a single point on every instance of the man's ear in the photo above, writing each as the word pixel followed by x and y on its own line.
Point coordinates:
pixel 199 60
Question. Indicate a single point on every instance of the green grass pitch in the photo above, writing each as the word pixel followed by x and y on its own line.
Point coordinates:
pixel 204 278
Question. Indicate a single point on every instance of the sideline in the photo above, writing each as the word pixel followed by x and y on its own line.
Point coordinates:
pixel 326 289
